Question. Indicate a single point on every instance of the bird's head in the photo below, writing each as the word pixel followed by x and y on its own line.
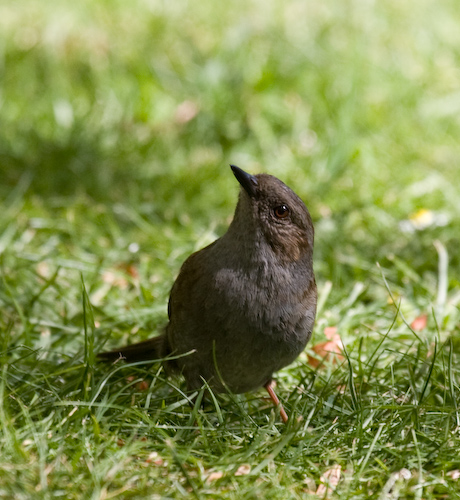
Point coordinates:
pixel 275 214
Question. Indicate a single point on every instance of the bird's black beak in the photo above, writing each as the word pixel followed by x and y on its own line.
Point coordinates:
pixel 248 182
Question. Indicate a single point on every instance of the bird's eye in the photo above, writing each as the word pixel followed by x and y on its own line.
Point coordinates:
pixel 281 212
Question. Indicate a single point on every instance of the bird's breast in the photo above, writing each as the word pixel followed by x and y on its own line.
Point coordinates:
pixel 275 305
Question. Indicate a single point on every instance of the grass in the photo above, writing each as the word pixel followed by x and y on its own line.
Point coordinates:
pixel 117 123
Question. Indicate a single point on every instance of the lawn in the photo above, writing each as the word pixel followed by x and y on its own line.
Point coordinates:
pixel 117 124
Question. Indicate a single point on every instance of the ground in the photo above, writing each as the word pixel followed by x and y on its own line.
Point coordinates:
pixel 117 124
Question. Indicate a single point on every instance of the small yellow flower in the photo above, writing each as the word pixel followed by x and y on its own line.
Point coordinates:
pixel 422 218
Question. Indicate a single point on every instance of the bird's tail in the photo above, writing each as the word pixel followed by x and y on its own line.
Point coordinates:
pixel 148 350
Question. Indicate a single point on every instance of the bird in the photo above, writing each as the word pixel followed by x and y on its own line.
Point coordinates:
pixel 243 307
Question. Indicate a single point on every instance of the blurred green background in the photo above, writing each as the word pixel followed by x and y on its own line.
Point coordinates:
pixel 117 124
pixel 356 105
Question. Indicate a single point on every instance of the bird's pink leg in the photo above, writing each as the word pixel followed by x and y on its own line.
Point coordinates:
pixel 276 401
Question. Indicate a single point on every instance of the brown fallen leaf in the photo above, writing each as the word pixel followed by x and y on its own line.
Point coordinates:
pixel 419 323
pixel 186 111
pixel 326 350
pixel 43 269
pixel 114 279
pixel 243 470
pixel 214 476
pixel 330 332
pixel 142 386
pixel 454 474
pixel 129 269
pixel 329 481
pixel 155 459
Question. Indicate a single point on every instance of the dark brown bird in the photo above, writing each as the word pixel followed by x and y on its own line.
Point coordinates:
pixel 246 304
